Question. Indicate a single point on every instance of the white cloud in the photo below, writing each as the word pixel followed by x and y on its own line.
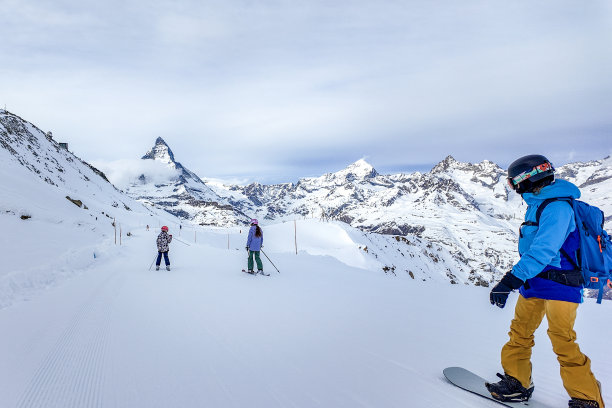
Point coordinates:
pixel 123 173
pixel 186 30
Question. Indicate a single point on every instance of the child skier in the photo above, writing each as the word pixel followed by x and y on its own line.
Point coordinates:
pixel 253 246
pixel 548 285
pixel 163 240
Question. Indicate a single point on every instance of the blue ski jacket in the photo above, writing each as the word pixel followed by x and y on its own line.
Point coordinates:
pixel 254 243
pixel 539 245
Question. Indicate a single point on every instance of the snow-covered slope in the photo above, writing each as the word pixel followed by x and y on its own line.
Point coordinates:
pixel 395 256
pixel 320 333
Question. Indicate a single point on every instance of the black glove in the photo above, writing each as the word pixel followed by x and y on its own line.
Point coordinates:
pixel 499 293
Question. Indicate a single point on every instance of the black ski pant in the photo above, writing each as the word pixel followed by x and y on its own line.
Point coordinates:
pixel 166 260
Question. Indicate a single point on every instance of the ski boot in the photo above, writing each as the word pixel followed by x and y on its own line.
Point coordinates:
pixel 580 403
pixel 509 389
pixel 262 272
pixel 167 267
pixel 157 267
pixel 252 272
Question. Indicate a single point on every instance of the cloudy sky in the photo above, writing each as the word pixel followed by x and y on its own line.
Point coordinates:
pixel 271 91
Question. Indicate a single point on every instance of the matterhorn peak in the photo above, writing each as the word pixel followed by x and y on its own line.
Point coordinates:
pixel 161 141
pixel 160 152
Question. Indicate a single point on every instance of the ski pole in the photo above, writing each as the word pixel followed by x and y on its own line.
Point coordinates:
pixel 182 242
pixel 270 261
pixel 154 259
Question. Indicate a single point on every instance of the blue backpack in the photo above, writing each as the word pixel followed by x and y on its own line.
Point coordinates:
pixel 594 255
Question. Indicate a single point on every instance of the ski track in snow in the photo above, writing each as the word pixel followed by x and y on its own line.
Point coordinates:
pixel 319 334
pixel 72 374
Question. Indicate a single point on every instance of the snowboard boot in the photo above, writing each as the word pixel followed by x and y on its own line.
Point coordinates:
pixel 509 389
pixel 157 267
pixel 580 403
pixel 167 267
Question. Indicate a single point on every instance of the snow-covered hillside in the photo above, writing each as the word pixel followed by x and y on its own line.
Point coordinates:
pixel 57 211
pixel 320 333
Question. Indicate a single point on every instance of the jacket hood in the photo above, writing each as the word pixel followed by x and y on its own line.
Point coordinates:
pixel 560 188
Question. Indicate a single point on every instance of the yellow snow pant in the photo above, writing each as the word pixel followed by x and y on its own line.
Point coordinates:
pixel 576 374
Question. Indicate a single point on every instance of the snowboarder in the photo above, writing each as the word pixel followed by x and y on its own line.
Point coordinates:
pixel 548 286
pixel 253 247
pixel 163 240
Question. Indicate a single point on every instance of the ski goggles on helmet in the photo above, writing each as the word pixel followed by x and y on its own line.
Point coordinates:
pixel 514 181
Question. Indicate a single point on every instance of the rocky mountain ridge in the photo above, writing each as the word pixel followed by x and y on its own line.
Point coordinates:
pixel 25 144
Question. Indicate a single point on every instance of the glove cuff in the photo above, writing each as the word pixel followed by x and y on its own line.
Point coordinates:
pixel 512 281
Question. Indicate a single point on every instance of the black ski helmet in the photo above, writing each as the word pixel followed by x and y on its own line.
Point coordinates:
pixel 528 172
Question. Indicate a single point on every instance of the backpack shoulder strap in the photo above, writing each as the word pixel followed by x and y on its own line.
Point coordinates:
pixel 539 211
pixel 548 201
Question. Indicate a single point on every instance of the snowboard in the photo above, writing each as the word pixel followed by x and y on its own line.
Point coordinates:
pixel 473 383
